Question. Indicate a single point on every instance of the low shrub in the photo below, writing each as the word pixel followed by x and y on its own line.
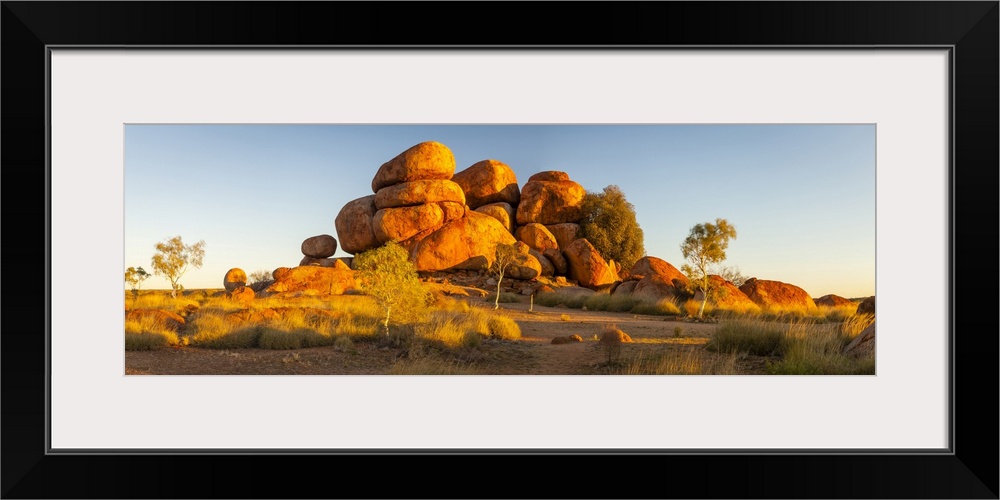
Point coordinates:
pixel 664 307
pixel 748 335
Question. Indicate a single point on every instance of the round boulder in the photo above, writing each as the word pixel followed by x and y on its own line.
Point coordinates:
pixel 354 225
pixel 586 265
pixel 536 236
pixel 550 202
pixel 466 243
pixel 427 160
pixel 234 279
pixel 488 181
pixel 769 294
pixel 320 247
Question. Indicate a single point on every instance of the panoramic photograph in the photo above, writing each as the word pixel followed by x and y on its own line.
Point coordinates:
pixel 535 249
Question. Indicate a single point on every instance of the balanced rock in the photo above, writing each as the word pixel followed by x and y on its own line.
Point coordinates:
pixel 427 160
pixel 314 280
pixel 412 193
pixel 488 181
pixel 832 300
pixel 466 243
pixel 550 202
pixel 234 279
pixel 320 247
pixel 354 225
pixel 500 211
pixel 586 266
pixel 536 236
pixel 777 295
pixel 565 233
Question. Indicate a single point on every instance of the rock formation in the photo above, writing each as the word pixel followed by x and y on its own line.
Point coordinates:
pixel 234 279
pixel 550 198
pixel 489 181
pixel 776 295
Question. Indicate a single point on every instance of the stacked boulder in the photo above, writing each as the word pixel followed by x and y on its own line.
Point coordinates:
pixel 318 251
pixel 452 221
pixel 418 205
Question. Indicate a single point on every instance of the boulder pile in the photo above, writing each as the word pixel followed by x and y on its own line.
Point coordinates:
pixel 452 221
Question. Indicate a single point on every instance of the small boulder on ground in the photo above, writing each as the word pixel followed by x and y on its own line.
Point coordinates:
pixel 831 300
pixel 863 344
pixel 568 339
pixel 243 294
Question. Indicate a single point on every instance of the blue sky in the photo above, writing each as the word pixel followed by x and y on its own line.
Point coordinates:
pixel 802 197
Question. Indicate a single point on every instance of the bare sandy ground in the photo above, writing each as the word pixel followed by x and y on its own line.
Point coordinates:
pixel 534 354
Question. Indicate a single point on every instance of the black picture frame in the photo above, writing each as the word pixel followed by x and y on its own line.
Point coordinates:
pixel 969 28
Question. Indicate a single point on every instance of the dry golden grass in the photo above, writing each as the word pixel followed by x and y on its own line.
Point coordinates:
pixel 147 333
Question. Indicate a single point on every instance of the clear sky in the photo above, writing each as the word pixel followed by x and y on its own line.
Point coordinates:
pixel 802 197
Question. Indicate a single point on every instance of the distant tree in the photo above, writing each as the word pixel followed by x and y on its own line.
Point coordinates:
pixel 134 276
pixel 704 248
pixel 506 256
pixel 388 276
pixel 733 275
pixel 609 223
pixel 173 258
pixel 259 276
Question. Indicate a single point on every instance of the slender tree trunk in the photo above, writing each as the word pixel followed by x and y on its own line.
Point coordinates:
pixel 385 324
pixel 496 305
pixel 701 310
pixel 173 290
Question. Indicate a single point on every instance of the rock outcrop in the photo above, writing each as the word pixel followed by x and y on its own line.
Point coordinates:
pixel 466 243
pixel 863 344
pixel 769 294
pixel 833 301
pixel 657 280
pixel 314 280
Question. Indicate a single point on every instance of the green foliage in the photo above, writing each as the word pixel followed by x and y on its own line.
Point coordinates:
pixel 705 247
pixel 505 257
pixel 610 225
pixel 173 258
pixel 387 275
pixel 134 276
